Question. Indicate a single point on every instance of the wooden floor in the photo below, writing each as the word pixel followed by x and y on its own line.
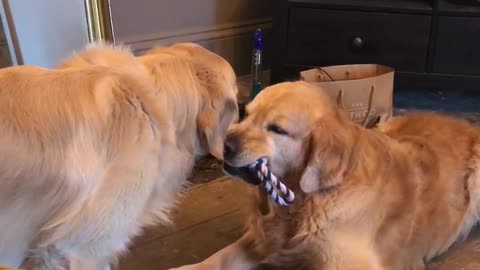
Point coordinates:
pixel 211 216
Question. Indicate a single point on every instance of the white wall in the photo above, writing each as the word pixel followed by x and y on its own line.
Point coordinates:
pixel 46 30
pixel 225 26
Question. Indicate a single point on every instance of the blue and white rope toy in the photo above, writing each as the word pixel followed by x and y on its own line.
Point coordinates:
pixel 271 184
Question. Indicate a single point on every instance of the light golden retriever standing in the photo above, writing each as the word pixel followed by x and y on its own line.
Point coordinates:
pixel 391 198
pixel 93 151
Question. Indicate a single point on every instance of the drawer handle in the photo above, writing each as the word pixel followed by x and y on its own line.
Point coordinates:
pixel 358 42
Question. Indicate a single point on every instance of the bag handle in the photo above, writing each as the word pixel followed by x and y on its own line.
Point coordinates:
pixel 347 74
pixel 340 100
pixel 369 110
pixel 324 71
pixel 366 122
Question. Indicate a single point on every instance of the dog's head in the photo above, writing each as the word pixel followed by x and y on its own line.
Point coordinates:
pixel 299 130
pixel 217 83
pixel 218 93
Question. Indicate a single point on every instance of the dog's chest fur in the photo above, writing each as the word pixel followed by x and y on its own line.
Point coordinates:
pixel 301 236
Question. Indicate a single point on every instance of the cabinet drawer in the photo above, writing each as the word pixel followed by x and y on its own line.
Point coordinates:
pixel 458 46
pixel 328 37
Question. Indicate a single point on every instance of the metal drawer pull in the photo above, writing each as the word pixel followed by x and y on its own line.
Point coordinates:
pixel 358 42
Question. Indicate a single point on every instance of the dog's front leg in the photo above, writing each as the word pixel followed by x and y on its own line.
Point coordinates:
pixel 237 256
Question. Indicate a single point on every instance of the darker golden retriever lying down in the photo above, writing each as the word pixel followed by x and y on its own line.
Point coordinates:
pixel 391 198
pixel 94 151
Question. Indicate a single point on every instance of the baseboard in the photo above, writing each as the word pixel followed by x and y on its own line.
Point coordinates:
pixel 233 41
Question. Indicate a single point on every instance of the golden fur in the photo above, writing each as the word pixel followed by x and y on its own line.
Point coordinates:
pixel 391 198
pixel 95 150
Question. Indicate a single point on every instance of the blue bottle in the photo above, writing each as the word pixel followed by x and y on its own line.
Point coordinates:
pixel 257 60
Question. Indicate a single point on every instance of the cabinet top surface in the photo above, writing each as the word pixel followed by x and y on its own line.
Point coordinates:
pixel 380 4
pixel 442 7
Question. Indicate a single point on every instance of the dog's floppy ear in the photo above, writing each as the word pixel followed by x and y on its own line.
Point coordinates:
pixel 213 124
pixel 330 148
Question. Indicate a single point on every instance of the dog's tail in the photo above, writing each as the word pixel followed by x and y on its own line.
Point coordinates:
pixel 100 54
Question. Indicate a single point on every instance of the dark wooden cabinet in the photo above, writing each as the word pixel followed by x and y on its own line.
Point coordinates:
pixel 342 37
pixel 431 44
pixel 457 51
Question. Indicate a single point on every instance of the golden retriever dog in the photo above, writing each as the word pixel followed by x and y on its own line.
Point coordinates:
pixel 92 152
pixel 391 198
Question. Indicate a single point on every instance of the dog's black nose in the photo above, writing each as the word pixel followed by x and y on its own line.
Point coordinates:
pixel 229 149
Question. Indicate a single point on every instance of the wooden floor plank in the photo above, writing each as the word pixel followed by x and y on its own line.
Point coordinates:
pixel 185 247
pixel 201 203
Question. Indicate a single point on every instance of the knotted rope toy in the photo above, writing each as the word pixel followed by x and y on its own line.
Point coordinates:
pixel 271 184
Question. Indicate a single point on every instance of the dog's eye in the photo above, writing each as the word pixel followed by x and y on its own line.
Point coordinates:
pixel 276 129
